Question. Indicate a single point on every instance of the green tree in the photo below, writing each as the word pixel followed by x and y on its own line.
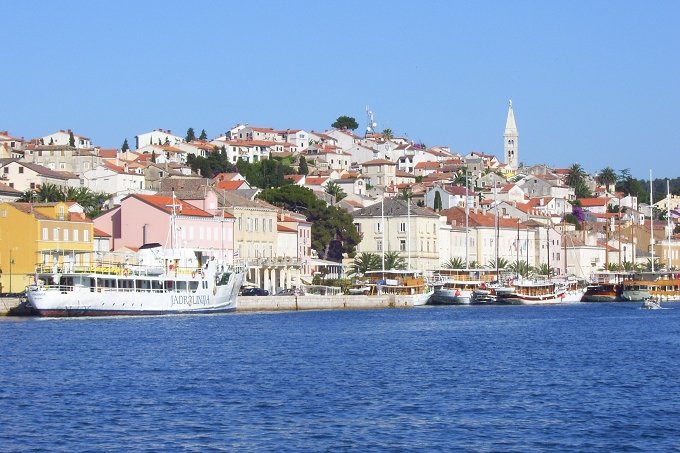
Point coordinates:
pixel 387 134
pixel 203 136
pixel 394 260
pixel 71 139
pixel 455 262
pixel 191 136
pixel 153 156
pixel 303 169
pixel 333 230
pixel 345 122
pixel 576 174
pixel 364 262
pixel 437 201
pixel 543 269
pixel 125 148
pixel 502 263
pixel 334 190
pixel 49 193
pixel 607 177
pixel 520 268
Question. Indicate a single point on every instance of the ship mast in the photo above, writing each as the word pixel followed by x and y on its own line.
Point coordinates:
pixel 651 218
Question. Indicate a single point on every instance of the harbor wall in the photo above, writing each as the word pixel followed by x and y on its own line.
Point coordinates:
pixel 14 306
pixel 311 302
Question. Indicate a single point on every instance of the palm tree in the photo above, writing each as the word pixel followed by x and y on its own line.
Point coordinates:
pixel 334 190
pixel 49 193
pixel 364 262
pixel 607 177
pixel 387 134
pixel 628 266
pixel 502 264
pixel 28 196
pixel 455 262
pixel 393 260
pixel 543 269
pixel 520 268
pixel 575 175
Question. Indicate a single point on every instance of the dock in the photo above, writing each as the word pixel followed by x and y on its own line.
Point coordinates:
pixel 313 302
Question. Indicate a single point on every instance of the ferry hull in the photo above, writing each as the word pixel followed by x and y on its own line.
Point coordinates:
pixel 449 297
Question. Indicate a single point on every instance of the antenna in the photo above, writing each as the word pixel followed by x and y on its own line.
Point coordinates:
pixel 371 124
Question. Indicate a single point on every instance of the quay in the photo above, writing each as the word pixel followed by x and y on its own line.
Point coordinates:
pixel 14 306
pixel 314 302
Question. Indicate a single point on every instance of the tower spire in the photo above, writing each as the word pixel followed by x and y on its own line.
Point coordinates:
pixel 511 139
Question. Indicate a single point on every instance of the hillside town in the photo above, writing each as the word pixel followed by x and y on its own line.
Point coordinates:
pixel 334 198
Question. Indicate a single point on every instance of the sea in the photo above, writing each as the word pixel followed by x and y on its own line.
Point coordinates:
pixel 582 377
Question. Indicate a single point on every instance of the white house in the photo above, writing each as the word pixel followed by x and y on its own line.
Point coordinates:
pixel 158 137
pixel 63 138
pixel 451 196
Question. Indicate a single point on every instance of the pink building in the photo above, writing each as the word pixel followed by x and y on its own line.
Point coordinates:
pixel 145 219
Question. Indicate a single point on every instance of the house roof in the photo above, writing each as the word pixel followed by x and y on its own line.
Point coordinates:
pixel 378 162
pixel 231 185
pixel 285 229
pixel 164 203
pixel 593 202
pixel 394 207
pixel 476 218
pixel 41 170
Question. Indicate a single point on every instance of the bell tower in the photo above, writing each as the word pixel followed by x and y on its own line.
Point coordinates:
pixel 511 140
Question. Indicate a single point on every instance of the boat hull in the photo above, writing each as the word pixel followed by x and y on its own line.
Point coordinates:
pixel 450 297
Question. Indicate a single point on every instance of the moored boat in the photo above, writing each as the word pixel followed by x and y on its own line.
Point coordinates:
pixel 408 283
pixel 529 291
pixel 457 286
pixel 156 281
pixel 661 285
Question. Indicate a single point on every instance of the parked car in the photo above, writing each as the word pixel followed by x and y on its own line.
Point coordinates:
pixel 254 292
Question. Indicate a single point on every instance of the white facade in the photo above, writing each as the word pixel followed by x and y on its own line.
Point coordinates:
pixel 158 137
pixel 63 138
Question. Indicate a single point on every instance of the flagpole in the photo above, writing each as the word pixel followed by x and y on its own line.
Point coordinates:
pixel 651 217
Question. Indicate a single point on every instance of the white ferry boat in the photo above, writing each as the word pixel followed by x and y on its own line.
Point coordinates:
pixel 457 286
pixel 156 281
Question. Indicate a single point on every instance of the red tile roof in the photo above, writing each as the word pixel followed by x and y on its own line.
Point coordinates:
pixel 164 204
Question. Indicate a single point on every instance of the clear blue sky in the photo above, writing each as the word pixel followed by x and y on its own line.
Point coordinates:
pixel 593 82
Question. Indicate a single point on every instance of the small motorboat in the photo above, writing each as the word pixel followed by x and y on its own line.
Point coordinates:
pixel 651 303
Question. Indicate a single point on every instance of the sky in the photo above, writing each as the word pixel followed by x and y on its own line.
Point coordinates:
pixel 592 82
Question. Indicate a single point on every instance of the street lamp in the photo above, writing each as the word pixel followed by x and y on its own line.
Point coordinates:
pixel 11 262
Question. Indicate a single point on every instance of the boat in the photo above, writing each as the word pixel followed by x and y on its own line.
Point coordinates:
pixel 573 292
pixel 605 286
pixel 457 286
pixel 408 283
pixel 531 291
pixel 155 281
pixel 662 285
pixel 651 303
pixel 487 294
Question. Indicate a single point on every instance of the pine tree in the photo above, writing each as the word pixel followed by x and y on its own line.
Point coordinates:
pixel 190 135
pixel 438 201
pixel 153 156
pixel 125 148
pixel 71 139
pixel 303 169
pixel 203 136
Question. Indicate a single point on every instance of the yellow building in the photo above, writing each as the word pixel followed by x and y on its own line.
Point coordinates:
pixel 41 234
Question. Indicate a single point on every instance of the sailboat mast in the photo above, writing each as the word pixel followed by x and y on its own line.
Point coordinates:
pixel 467 221
pixel 408 228
pixel 651 217
pixel 495 194
pixel 382 230
pixel 668 223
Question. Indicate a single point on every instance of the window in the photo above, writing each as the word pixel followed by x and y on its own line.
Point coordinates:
pixel 75 235
pixel 65 235
pixel 402 245
pixel 86 235
pixel 379 245
pixel 45 234
pixel 378 227
pixel 402 227
pixel 358 227
pixel 21 170
pixel 55 234
pixel 6 170
pixel 32 185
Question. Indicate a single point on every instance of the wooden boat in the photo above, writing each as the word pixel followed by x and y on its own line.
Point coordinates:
pixel 530 291
pixel 399 282
pixel 645 285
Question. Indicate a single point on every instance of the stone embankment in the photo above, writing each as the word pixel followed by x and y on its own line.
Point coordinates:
pixel 14 306
pixel 309 302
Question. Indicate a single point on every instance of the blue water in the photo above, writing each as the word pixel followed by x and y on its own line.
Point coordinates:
pixel 590 377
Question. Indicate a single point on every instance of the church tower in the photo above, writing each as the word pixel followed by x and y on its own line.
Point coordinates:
pixel 511 140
